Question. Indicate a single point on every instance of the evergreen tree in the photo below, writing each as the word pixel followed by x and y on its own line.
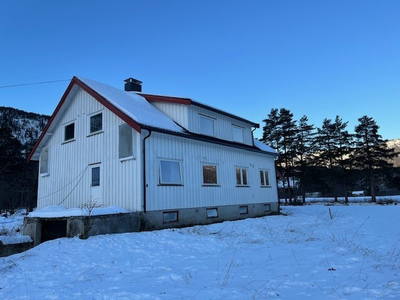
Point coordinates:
pixel 332 141
pixel 280 132
pixel 305 147
pixel 371 152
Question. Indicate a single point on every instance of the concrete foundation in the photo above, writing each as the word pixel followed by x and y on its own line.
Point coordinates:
pixel 43 229
pixel 153 220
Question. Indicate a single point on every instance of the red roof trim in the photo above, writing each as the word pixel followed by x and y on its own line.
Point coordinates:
pixel 95 95
pixel 159 98
pixel 108 105
pixel 67 91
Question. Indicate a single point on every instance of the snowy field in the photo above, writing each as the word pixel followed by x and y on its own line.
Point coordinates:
pixel 304 255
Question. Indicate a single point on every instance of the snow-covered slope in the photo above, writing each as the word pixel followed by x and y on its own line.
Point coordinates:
pixel 304 255
pixel 25 126
pixel 396 145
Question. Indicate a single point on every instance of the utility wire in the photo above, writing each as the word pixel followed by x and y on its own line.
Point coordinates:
pixel 32 83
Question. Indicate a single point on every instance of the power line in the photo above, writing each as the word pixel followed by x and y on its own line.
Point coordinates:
pixel 32 83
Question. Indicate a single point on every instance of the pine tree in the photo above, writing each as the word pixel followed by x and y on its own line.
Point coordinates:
pixel 305 147
pixel 280 132
pixel 371 152
pixel 332 141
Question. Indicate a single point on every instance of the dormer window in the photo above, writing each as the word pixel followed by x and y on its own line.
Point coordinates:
pixel 237 134
pixel 207 125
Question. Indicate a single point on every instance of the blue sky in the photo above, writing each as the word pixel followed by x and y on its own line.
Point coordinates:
pixel 315 58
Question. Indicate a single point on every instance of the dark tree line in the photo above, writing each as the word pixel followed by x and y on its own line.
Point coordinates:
pixel 19 131
pixel 329 159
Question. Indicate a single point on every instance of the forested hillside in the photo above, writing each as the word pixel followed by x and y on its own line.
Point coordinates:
pixel 19 131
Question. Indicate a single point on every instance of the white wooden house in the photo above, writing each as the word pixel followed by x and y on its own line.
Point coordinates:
pixel 172 161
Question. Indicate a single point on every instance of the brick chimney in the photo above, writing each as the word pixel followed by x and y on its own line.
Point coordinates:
pixel 133 85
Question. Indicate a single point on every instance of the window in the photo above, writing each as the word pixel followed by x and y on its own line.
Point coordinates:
pixel 237 134
pixel 170 172
pixel 96 123
pixel 44 161
pixel 241 177
pixel 267 207
pixel 69 132
pixel 212 213
pixel 170 216
pixel 96 176
pixel 206 125
pixel 264 178
pixel 125 141
pixel 210 175
pixel 243 210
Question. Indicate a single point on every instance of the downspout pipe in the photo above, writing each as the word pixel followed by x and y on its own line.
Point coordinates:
pixel 144 173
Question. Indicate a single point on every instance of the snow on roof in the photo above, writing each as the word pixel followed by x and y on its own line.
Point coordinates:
pixel 264 147
pixel 133 105
pixel 60 211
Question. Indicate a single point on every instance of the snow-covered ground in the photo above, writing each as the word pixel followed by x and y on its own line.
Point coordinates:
pixel 304 255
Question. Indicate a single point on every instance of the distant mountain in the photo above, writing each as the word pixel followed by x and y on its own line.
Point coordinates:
pixel 396 145
pixel 25 126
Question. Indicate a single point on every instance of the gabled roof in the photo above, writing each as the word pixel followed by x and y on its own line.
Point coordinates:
pixel 129 106
pixel 135 110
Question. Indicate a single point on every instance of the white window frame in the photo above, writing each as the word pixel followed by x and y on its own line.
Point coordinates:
pixel 246 171
pixel 162 181
pixel 267 207
pixel 265 181
pixel 65 132
pixel 125 126
pixel 204 126
pixel 91 175
pixel 237 130
pixel 44 153
pixel 89 120
pixel 216 174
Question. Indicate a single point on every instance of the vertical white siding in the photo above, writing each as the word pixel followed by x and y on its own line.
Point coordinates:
pixel 192 155
pixel 223 124
pixel 69 177
pixel 177 112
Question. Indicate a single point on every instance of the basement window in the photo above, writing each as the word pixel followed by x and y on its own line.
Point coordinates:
pixel 125 141
pixel 96 123
pixel 212 212
pixel 170 216
pixel 44 161
pixel 69 132
pixel 243 210
pixel 267 207
pixel 264 178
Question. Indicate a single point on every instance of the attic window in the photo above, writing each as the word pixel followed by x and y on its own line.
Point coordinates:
pixel 96 123
pixel 69 132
